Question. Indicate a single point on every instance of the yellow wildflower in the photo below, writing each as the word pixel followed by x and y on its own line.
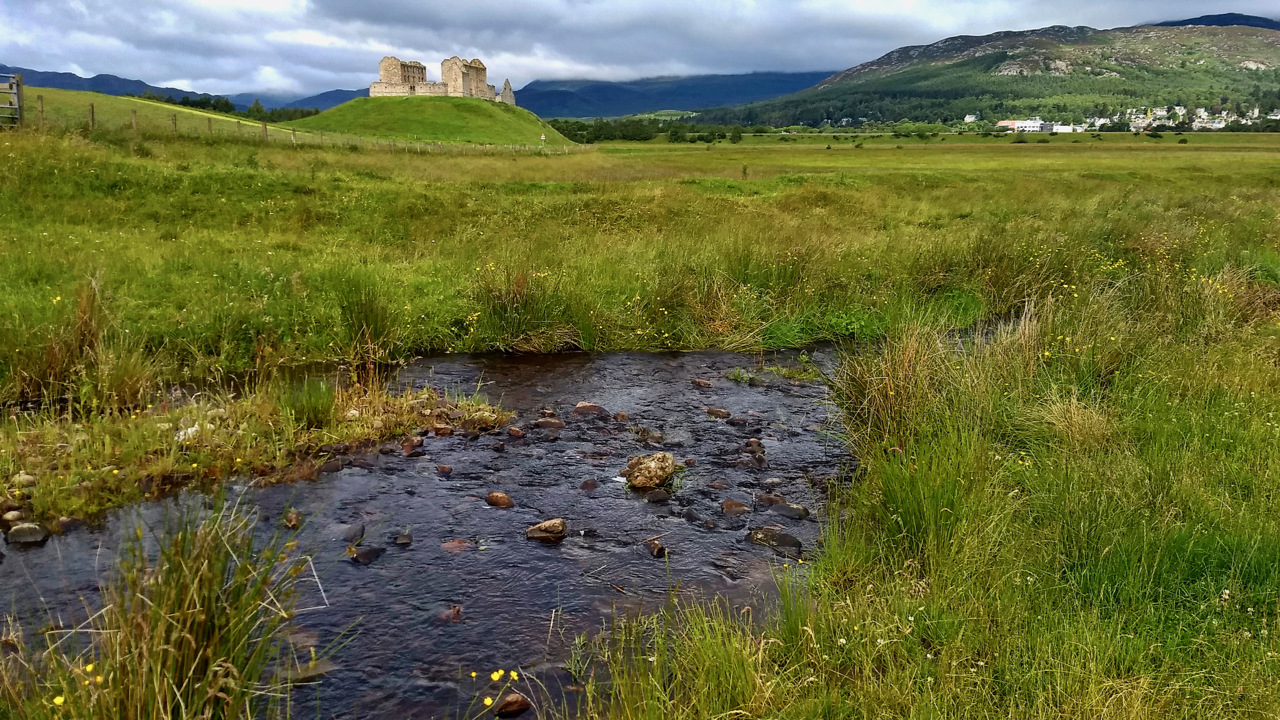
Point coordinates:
pixel 514 676
pixel 97 679
pixel 496 675
pixel 488 701
pixel 59 700
pixel 88 668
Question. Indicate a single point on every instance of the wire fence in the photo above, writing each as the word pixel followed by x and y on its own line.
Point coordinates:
pixel 153 120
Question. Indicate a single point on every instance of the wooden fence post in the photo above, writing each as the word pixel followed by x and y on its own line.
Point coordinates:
pixel 133 119
pixel 293 134
pixel 238 130
pixel 175 124
pixel 40 109
pixel 210 125
pixel 92 121
pixel 265 139
pixel 21 108
pixel 321 138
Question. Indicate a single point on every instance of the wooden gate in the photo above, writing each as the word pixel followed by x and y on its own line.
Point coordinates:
pixel 11 109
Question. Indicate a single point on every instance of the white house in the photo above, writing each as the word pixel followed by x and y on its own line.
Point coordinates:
pixel 1034 124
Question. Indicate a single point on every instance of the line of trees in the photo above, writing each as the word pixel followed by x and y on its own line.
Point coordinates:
pixel 219 104
pixel 642 129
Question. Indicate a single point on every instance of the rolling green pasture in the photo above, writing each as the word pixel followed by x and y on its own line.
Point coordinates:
pixel 70 109
pixel 1059 375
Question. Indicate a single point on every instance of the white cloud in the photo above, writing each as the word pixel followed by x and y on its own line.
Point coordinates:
pixel 308 46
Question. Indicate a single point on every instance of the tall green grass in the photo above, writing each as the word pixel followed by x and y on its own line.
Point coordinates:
pixel 1069 513
pixel 193 628
pixel 213 258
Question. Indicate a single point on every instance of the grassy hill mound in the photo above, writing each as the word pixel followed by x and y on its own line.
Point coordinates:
pixel 435 119
pixel 1060 73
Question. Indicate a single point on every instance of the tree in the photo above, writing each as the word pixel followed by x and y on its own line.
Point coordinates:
pixel 735 135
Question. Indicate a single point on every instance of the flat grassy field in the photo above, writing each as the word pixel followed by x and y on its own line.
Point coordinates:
pixel 435 119
pixel 1059 376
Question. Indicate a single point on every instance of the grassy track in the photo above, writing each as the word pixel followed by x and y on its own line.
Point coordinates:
pixel 435 119
pixel 1060 377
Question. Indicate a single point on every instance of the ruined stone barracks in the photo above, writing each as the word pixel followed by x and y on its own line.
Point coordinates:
pixel 458 78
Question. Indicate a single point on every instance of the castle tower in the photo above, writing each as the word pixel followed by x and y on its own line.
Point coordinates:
pixel 508 95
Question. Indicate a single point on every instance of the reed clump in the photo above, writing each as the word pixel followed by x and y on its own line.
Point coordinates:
pixel 193 624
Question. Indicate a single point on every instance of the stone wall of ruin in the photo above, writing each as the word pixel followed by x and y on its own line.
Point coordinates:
pixel 458 78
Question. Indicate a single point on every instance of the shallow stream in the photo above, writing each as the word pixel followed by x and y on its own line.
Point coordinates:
pixel 471 592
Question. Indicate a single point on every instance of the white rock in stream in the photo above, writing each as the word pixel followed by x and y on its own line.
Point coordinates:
pixel 26 533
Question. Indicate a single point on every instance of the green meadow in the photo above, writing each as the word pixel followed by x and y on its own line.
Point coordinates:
pixel 71 109
pixel 1059 375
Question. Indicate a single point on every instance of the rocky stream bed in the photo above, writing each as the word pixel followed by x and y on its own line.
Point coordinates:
pixel 471 591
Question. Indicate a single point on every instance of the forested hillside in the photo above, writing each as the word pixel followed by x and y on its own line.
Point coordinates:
pixel 1059 73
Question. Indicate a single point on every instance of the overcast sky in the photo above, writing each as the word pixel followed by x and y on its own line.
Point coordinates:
pixel 307 46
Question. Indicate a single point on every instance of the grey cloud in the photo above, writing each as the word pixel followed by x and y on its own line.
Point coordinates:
pixel 250 45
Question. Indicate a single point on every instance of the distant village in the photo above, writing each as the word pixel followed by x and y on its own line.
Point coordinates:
pixel 1143 119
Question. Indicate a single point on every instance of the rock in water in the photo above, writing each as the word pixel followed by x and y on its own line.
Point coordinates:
pixel 781 542
pixel 499 500
pixel 24 533
pixel 655 548
pixel 791 510
pixel 513 704
pixel 548 531
pixel 550 424
pixel 733 507
pixel 354 534
pixel 586 409
pixel 365 555
pixel 719 413
pixel 658 496
pixel 646 472
pixel 456 546
pixel 404 539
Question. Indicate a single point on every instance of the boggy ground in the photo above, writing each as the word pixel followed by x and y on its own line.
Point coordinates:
pixel 1060 385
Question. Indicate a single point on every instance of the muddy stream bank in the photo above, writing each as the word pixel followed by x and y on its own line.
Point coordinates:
pixel 471 592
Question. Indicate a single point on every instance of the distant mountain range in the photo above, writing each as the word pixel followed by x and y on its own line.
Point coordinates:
pixel 113 85
pixel 1059 73
pixel 1056 72
pixel 597 98
pixel 1225 20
